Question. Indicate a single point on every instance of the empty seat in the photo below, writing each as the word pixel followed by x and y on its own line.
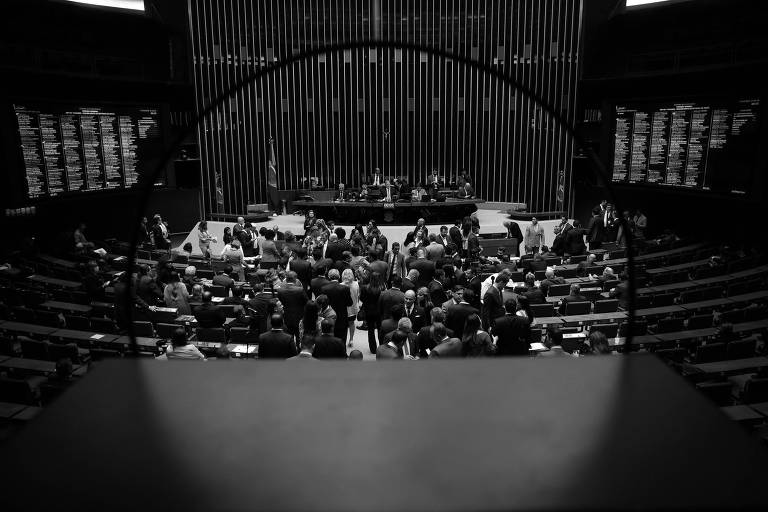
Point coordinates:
pixel 710 352
pixel 143 328
pixel 80 298
pixel 559 290
pixel 566 273
pixel 734 316
pixel 606 306
pixel 228 310
pixel 211 334
pixel 58 351
pixel 48 318
pixel 22 314
pixel 718 392
pixel 670 325
pixel 700 322
pixel 676 355
pixel 165 331
pixel 18 391
pixel 691 296
pixel 33 298
pixel 755 390
pixel 542 310
pixel 540 274
pixel 218 291
pixel 741 349
pixel 536 334
pixel 711 293
pixel 578 308
pixel 666 299
pixel 103 325
pixel 578 259
pixel 640 328
pixel 610 285
pixel 243 335
pixel 34 349
pixel 610 330
pixel 77 323
pixel 643 301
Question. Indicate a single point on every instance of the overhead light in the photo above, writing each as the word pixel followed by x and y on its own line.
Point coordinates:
pixel 134 5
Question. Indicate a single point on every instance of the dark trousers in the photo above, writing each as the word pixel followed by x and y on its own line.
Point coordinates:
pixel 374 325
pixel 340 328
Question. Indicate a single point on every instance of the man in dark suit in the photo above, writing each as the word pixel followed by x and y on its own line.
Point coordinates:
pixel 341 194
pixel 339 298
pixel 444 346
pixel 513 332
pixel 307 348
pixel 414 313
pixel 425 267
pixel 377 265
pixel 474 285
pixel 437 294
pixel 328 346
pixel 344 263
pixel 208 314
pixel 391 297
pixel 455 233
pixel 596 230
pixel 247 239
pixel 388 192
pixel 334 249
pixel 222 278
pixel 532 292
pixel 392 349
pixel 409 347
pixel 263 304
pixel 317 283
pixel 237 228
pixel 293 298
pixel 388 325
pixel 514 231
pixel 160 234
pixel 455 297
pixel 537 263
pixel 395 261
pixel 276 344
pixel 457 315
pixel 303 269
pixel 425 337
pixel 574 240
pixel 493 302
pixel 575 296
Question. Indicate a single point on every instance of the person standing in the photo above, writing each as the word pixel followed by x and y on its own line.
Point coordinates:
pixel 160 234
pixel 395 261
pixel 205 239
pixel 369 296
pixel 233 255
pixel 348 280
pixel 339 298
pixel 534 237
pixel 596 230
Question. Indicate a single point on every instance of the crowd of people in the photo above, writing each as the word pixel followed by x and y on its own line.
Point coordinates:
pixel 430 295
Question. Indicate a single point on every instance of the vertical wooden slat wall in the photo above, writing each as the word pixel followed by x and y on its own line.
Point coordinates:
pixel 340 115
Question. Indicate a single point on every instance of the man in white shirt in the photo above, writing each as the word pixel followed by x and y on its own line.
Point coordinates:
pixel 387 192
pixel 181 348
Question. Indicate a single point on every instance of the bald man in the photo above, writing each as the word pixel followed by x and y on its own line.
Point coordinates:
pixel 413 312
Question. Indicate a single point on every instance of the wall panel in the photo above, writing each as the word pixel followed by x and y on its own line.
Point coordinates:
pixel 338 116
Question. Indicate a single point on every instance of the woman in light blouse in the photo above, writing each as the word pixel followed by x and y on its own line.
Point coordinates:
pixel 205 239
pixel 348 280
pixel 233 254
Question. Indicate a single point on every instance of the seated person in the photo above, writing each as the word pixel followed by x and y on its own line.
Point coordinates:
pixel 388 192
pixel 181 348
pixel 364 192
pixel 434 192
pixel 341 194
pixel 417 192
pixel 435 179
pixel 466 192
pixel 209 314
pixel 377 180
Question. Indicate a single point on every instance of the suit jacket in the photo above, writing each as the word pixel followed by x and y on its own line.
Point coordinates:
pixel 388 326
pixel 393 193
pixel 224 280
pixel 209 315
pixel 436 292
pixel 513 334
pixel 425 341
pixel 514 231
pixel 335 249
pixel 493 307
pixel 455 234
pixel 389 298
pixel 457 316
pixel 339 298
pixel 161 242
pixel 535 296
pixel 449 347
pixel 534 265
pixel 317 285
pixel 435 251
pixel 408 285
pixel 294 299
pixel 596 229
pixel 341 195
pixel 262 304
pixel 396 263
pixel 276 345
pixel 418 317
pixel 426 270
pixel 574 242
pixel 303 269
pixel 473 246
pixel 379 266
pixel 303 356
pixel 328 346
pixel 582 269
pixel 476 285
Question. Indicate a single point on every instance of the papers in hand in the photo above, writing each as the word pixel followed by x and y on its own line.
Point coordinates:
pixel 538 347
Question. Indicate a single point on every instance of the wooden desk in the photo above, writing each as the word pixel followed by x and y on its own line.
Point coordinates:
pixel 7 409
pixel 742 413
pixel 674 287
pixel 755 325
pixel 706 304
pixel 548 320
pixel 30 365
pixel 4 358
pixel 67 307
pixel 22 328
pixel 660 311
pixel 750 272
pixel 732 366
pixel 92 338
pixel 61 283
pixel 681 266
pixel 749 297
pixel 687 335
pixel 58 261
pixel 647 339
pixel 143 343
pixel 594 317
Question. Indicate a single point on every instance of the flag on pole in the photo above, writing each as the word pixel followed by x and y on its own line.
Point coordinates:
pixel 274 202
pixel 561 189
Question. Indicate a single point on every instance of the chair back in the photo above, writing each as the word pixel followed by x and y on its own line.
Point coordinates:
pixel 606 306
pixel 670 325
pixel 741 349
pixel 578 308
pixel 543 310
pixel 610 330
pixel 559 290
pixel 710 352
pixel 143 328
pixel 34 349
pixel 700 322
